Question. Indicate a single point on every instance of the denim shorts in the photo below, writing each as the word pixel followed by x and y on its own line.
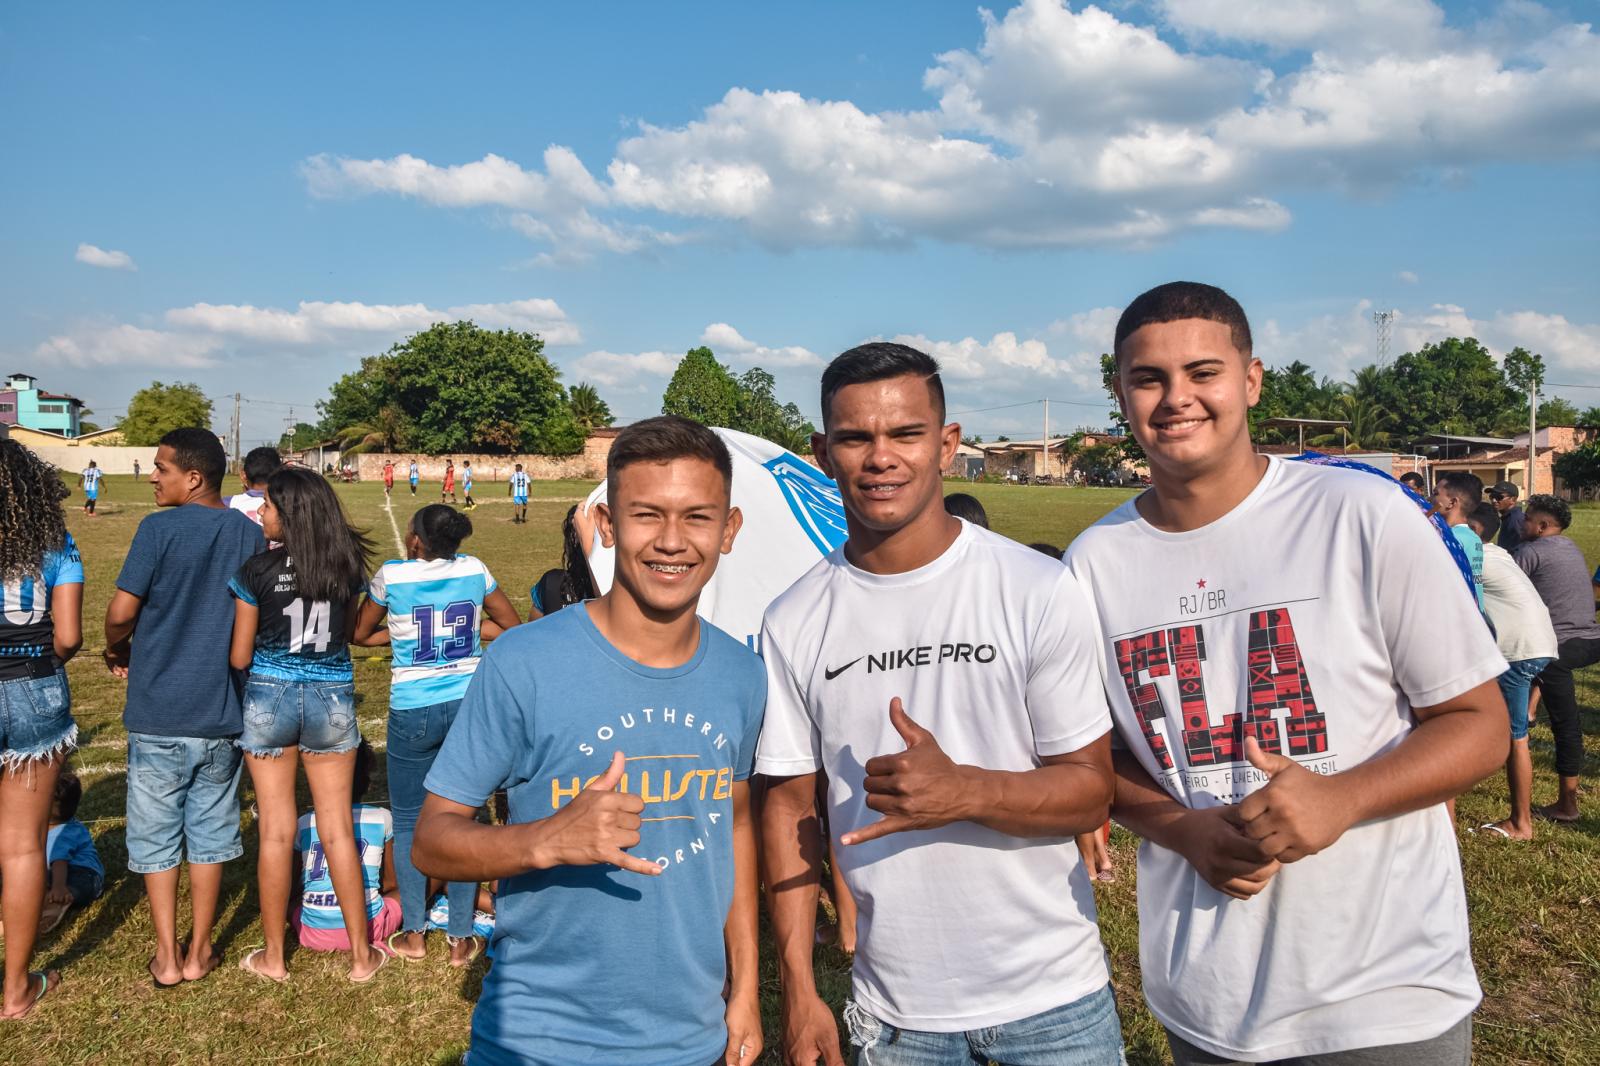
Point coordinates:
pixel 35 719
pixel 183 794
pixel 1515 685
pixel 1085 1032
pixel 319 717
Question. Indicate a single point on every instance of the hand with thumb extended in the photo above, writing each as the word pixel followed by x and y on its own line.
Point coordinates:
pixel 1297 812
pixel 918 788
pixel 597 827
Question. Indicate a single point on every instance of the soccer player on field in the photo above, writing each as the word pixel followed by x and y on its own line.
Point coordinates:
pixel 518 487
pixel 449 486
pixel 1295 701
pixel 89 481
pixel 388 478
pixel 466 485
pixel 413 475
pixel 623 730
pixel 947 679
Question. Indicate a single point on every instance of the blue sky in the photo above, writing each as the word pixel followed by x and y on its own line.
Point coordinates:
pixel 254 199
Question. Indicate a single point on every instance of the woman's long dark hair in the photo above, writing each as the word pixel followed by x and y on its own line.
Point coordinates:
pixel 575 560
pixel 441 530
pixel 330 555
pixel 31 522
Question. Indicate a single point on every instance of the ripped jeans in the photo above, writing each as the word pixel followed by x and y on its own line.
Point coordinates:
pixel 319 717
pixel 1085 1032
pixel 35 718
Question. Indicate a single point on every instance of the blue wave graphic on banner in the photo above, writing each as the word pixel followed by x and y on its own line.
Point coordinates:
pixel 813 499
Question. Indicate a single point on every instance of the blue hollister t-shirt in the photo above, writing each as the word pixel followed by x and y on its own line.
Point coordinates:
pixel 1473 546
pixel 179 564
pixel 595 964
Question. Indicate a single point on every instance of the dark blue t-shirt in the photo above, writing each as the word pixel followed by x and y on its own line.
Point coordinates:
pixel 595 964
pixel 180 563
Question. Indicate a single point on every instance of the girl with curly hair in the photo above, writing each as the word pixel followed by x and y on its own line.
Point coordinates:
pixel 41 627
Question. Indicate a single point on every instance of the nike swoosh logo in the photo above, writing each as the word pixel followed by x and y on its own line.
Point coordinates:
pixel 829 675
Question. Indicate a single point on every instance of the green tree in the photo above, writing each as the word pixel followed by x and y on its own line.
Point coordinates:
pixel 1589 416
pixel 1559 411
pixel 156 409
pixel 1130 448
pixel 972 440
pixel 388 431
pixel 702 389
pixel 760 413
pixel 1580 468
pixel 304 435
pixel 1454 386
pixel 457 387
pixel 589 411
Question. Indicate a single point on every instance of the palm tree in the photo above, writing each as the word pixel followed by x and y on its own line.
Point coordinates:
pixel 588 409
pixel 387 432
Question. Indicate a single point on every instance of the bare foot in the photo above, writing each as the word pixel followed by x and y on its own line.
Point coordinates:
pixel 463 951
pixel 1508 829
pixel 201 960
pixel 409 945
pixel 32 993
pixel 1557 813
pixel 361 972
pixel 165 975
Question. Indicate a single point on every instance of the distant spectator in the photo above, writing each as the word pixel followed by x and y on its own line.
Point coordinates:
pixel 1557 569
pixel 259 463
pixel 1456 494
pixel 77 876
pixel 1413 481
pixel 1504 497
pixel 573 582
pixel 1528 641
pixel 966 506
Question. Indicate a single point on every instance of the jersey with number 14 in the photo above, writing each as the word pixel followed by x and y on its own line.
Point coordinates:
pixel 296 639
pixel 435 607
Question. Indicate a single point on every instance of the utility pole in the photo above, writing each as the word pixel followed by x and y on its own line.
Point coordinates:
pixel 1533 448
pixel 236 431
pixel 1047 439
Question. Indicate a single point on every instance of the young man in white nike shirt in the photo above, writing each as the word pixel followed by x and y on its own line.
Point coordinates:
pixel 1295 699
pixel 948 682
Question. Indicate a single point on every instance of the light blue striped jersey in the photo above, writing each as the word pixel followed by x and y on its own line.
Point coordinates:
pixel 435 607
pixel 519 483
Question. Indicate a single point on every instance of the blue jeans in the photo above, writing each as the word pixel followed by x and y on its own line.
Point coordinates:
pixel 415 734
pixel 183 792
pixel 1085 1032
pixel 318 716
pixel 1515 684
pixel 35 719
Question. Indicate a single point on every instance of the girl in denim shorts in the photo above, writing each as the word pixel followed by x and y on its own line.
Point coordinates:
pixel 295 606
pixel 41 627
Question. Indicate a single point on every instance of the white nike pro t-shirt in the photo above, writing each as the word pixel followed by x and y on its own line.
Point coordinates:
pixel 992 647
pixel 1316 613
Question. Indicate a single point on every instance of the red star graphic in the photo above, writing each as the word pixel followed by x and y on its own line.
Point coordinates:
pixel 1200 584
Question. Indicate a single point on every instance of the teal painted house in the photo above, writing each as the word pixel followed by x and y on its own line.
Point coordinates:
pixel 23 403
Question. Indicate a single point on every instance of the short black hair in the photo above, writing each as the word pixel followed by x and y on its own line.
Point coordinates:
pixel 964 505
pixel 1487 518
pixel 1414 479
pixel 259 463
pixel 879 361
pixel 661 440
pixel 69 793
pixel 1178 300
pixel 1554 506
pixel 199 450
pixel 1460 481
pixel 1048 549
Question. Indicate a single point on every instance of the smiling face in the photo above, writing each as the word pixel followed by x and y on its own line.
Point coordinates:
pixel 1186 392
pixel 173 485
pixel 271 518
pixel 887 446
pixel 669 523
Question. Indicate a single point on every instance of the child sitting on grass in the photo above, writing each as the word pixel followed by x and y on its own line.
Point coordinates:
pixel 77 876
pixel 317 921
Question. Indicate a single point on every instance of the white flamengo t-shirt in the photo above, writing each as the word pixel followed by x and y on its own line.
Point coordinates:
pixel 1314 615
pixel 1521 620
pixel 992 648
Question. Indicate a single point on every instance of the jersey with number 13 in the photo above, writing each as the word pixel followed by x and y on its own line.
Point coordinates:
pixel 435 607
pixel 296 639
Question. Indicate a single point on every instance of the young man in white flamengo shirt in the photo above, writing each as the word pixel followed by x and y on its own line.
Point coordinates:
pixel 948 682
pixel 1296 700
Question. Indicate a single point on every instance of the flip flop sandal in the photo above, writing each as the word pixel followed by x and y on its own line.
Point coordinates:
pixel 44 987
pixel 1492 827
pixel 383 960
pixel 477 949
pixel 388 948
pixel 247 964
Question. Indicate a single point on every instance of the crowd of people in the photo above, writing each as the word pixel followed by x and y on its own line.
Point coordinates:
pixel 1280 708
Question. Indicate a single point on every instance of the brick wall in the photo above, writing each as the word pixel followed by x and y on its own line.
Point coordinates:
pixel 589 464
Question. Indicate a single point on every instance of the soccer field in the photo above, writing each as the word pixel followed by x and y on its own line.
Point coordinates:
pixel 1535 908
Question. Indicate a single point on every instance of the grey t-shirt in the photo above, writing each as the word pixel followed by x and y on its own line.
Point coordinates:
pixel 1556 567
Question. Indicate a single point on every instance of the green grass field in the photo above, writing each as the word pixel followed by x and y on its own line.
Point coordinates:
pixel 1535 908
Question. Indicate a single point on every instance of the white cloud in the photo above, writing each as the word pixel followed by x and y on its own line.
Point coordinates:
pixel 624 370
pixel 317 322
pixel 1408 276
pixel 1063 128
pixel 1007 362
pixel 100 257
pixel 725 340
pixel 127 344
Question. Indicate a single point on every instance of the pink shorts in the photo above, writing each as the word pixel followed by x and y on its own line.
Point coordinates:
pixel 379 929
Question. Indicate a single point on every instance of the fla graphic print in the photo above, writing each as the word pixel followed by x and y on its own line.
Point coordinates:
pixel 677 762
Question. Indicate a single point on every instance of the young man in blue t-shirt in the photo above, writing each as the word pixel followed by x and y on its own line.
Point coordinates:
pixel 623 731
pixel 167 631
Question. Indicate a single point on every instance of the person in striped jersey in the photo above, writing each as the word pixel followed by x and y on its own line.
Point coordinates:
pixel 517 486
pixel 434 608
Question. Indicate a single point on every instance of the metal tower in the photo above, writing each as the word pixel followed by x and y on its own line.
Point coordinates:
pixel 1384 323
